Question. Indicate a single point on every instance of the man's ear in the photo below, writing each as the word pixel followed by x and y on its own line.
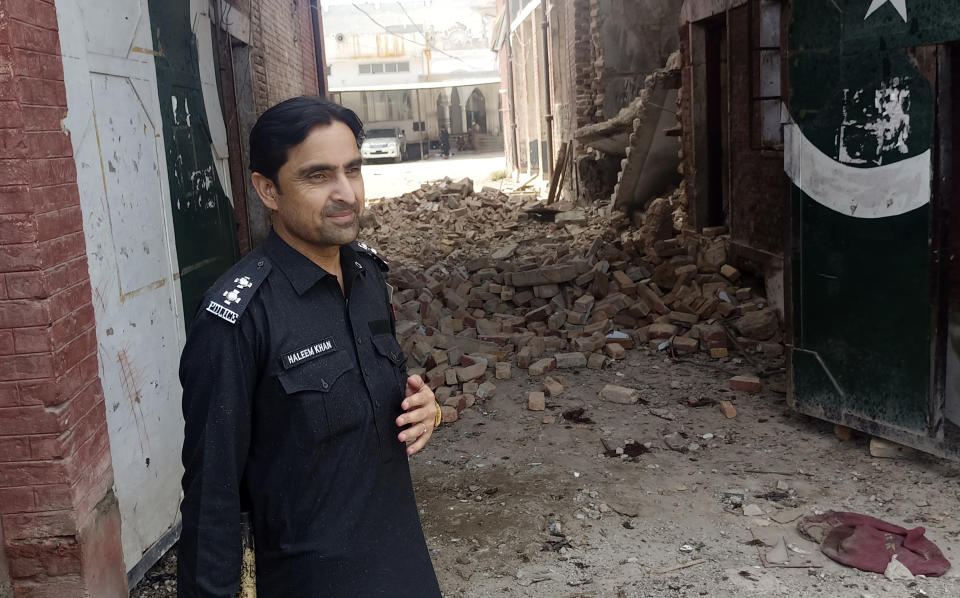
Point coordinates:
pixel 266 189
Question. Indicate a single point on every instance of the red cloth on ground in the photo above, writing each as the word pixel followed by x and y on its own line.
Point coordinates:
pixel 868 543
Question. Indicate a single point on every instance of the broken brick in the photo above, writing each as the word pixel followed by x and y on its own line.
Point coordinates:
pixel 730 273
pixel 728 410
pixel 449 414
pixel 620 394
pixel 471 372
pixel 552 387
pixel 570 360
pixel 685 344
pixel 542 366
pixel 615 351
pixel 745 384
pixel 536 401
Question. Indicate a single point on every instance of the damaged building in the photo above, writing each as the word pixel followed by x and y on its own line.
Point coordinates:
pixel 761 189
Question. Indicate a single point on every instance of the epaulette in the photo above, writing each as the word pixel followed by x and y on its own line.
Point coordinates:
pixel 229 298
pixel 372 253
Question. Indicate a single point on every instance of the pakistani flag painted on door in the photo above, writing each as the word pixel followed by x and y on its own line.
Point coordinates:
pixel 859 150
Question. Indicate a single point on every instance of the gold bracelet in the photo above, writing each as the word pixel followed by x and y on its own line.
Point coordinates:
pixel 439 418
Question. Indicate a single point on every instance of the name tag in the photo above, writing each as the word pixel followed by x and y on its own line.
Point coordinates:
pixel 307 353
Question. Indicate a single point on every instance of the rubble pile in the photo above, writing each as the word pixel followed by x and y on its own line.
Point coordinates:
pixel 487 282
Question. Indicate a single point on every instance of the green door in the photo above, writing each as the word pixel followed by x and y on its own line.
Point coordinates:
pixel 860 152
pixel 203 220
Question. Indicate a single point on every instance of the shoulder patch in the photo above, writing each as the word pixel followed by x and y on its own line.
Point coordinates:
pixel 231 297
pixel 372 253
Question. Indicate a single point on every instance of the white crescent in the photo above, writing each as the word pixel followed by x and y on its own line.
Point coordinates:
pixel 879 192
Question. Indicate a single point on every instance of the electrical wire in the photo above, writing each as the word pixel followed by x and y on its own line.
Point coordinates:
pixel 406 39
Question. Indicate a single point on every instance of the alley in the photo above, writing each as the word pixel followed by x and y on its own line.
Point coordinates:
pixel 687 293
pixel 667 493
pixel 386 180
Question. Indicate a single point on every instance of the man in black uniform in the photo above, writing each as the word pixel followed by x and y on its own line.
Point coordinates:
pixel 296 398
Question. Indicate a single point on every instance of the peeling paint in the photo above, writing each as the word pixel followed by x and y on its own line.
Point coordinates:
pixel 874 127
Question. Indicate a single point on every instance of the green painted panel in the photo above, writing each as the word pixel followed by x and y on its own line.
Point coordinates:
pixel 861 290
pixel 865 310
pixel 203 219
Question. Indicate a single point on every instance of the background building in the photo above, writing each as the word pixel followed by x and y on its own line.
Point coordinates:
pixel 416 65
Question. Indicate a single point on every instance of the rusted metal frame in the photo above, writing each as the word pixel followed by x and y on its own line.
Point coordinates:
pixel 940 211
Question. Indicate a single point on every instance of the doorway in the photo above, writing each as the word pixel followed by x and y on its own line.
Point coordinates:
pixel 711 91
pixel 443 118
pixel 456 113
pixel 477 110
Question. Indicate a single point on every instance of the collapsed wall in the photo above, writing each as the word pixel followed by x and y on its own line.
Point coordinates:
pixel 487 282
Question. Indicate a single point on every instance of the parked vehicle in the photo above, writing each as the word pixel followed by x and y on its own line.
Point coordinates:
pixel 382 144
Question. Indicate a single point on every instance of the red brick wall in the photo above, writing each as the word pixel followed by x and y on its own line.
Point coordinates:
pixel 580 56
pixel 758 185
pixel 758 189
pixel 284 61
pixel 61 525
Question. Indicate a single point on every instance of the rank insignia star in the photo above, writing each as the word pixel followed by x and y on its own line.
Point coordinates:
pixel 243 282
pixel 232 296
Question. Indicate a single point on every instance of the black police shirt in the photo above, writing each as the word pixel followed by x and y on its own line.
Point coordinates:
pixel 291 389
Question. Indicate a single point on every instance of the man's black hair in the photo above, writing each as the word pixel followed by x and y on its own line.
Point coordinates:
pixel 287 124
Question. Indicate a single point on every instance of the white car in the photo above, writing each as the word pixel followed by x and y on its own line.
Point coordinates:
pixel 384 144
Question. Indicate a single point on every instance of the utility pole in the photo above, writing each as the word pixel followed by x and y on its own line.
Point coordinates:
pixel 546 83
pixel 514 153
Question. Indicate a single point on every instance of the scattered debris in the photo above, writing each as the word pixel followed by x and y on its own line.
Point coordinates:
pixel 884 449
pixel 576 416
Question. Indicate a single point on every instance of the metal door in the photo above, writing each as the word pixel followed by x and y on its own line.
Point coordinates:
pixel 861 151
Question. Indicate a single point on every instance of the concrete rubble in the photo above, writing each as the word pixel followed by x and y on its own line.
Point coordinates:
pixel 485 282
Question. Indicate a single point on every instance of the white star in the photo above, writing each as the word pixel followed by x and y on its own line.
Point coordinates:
pixel 900 5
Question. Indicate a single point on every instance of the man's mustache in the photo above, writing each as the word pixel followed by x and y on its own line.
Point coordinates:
pixel 338 209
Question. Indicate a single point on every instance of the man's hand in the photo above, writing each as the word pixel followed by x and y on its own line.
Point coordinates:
pixel 421 411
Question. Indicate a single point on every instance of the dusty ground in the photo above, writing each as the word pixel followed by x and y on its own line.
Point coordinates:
pixel 521 503
pixel 389 180
pixel 513 506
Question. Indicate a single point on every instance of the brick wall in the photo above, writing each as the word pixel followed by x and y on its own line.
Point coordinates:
pixel 284 61
pixel 757 186
pixel 60 521
pixel 580 57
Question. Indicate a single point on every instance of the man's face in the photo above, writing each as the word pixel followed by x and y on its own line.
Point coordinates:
pixel 320 197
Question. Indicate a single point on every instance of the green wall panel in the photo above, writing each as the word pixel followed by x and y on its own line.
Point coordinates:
pixel 203 220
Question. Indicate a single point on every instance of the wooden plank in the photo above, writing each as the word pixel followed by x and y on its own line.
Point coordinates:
pixel 558 172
